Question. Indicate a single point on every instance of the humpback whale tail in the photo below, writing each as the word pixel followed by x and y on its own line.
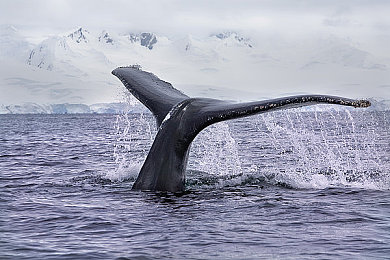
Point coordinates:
pixel 180 118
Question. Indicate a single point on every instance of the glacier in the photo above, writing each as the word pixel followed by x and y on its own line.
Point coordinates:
pixel 102 108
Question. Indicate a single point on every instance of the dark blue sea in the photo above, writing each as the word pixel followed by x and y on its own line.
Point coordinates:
pixel 284 185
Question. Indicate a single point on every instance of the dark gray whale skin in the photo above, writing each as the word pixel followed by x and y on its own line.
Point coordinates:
pixel 180 118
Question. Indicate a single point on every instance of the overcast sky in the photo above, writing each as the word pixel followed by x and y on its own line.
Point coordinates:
pixel 197 17
pixel 363 23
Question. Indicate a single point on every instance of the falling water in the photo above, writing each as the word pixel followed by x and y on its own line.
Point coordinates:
pixel 325 149
pixel 294 148
pixel 215 151
pixel 134 136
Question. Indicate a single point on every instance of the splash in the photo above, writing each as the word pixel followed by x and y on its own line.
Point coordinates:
pixel 134 135
pixel 215 151
pixel 215 156
pixel 294 148
pixel 326 149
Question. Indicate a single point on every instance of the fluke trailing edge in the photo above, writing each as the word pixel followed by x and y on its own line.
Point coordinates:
pixel 180 118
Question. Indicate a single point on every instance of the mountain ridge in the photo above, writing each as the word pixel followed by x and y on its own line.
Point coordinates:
pixel 74 67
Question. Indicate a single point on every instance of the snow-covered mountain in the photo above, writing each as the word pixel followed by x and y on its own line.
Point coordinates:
pixel 146 39
pixel 12 44
pixel 74 67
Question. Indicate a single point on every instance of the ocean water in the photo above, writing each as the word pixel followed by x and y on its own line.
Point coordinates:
pixel 283 185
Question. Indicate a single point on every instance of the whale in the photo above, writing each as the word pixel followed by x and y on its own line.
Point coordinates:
pixel 181 118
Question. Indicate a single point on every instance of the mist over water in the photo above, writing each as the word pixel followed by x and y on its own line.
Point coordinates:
pixel 290 184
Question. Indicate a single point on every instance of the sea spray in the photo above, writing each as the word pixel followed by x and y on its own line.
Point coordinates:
pixel 323 149
pixel 134 135
pixel 294 148
pixel 215 151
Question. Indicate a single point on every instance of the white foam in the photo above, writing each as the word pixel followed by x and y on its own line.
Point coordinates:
pixel 125 170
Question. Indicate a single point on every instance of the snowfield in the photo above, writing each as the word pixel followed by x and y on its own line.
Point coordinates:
pixel 75 68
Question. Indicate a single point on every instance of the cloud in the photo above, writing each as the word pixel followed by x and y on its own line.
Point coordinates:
pixel 174 16
pixel 281 27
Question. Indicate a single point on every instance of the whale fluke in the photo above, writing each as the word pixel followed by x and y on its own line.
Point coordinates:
pixel 157 95
pixel 180 118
